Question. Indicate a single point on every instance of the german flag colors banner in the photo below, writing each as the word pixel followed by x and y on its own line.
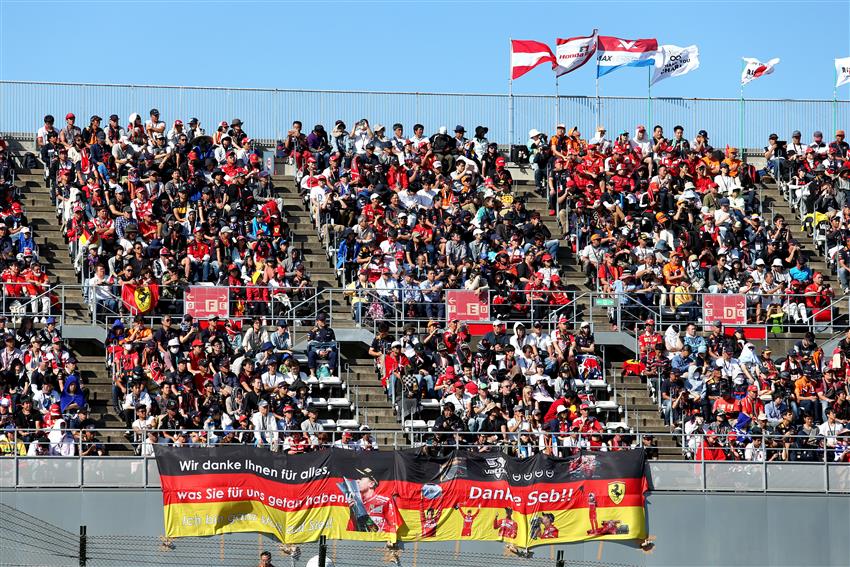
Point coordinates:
pixel 402 495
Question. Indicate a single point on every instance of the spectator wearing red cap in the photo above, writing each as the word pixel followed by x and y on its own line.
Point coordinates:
pixel 70 131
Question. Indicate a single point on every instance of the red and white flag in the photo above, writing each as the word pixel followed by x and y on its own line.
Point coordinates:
pixel 527 54
pixel 755 69
pixel 572 53
pixel 616 52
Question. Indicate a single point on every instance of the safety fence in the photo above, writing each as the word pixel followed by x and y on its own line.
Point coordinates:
pixel 751 462
pixel 267 113
pixel 761 316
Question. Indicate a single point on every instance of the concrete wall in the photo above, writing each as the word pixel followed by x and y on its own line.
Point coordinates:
pixel 690 529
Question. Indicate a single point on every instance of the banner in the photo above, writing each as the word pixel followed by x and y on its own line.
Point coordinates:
pixel 729 308
pixel 572 53
pixel 402 495
pixel 755 69
pixel 674 61
pixel 614 52
pixel 140 299
pixel 205 302
pixel 466 305
pixel 528 54
pixel 842 71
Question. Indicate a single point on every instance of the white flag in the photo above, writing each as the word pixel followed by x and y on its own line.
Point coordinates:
pixel 842 71
pixel 674 61
pixel 572 53
pixel 755 69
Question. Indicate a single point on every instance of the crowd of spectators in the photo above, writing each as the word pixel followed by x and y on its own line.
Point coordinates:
pixel 652 218
pixel 163 206
pixel 44 407
pixel 731 400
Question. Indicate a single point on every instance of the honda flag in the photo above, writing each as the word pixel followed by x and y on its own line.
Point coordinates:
pixel 613 53
pixel 674 61
pixel 528 54
pixel 572 53
pixel 755 69
pixel 842 71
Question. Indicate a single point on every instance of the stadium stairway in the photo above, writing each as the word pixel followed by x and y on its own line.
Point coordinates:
pixel 776 204
pixel 90 354
pixel 371 406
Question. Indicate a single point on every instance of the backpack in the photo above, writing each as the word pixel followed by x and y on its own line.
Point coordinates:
pixel 29 161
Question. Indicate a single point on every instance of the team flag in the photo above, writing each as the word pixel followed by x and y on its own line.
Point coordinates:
pixel 406 496
pixel 527 54
pixel 674 61
pixel 755 69
pixel 842 71
pixel 572 53
pixel 140 299
pixel 614 52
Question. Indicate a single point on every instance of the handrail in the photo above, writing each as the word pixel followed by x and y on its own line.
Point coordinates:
pixel 349 92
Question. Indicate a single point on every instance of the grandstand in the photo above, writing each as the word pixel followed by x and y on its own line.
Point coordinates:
pixel 340 274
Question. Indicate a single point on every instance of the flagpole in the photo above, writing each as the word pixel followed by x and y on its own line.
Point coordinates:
pixel 743 149
pixel 649 95
pixel 510 97
pixel 598 121
pixel 557 103
pixel 834 99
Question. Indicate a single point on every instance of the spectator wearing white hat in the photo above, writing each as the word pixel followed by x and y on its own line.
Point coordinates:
pixel 600 138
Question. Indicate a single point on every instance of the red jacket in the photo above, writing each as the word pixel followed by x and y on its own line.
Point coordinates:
pixel 710 453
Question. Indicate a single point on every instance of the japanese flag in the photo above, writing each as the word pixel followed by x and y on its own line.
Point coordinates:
pixel 755 69
pixel 842 71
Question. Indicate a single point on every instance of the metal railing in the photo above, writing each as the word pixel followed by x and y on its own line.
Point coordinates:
pixel 768 463
pixel 267 113
pixel 605 311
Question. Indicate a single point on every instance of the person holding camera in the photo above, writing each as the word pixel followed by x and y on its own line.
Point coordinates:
pixel 776 153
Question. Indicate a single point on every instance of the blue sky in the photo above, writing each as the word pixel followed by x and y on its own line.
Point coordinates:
pixel 435 46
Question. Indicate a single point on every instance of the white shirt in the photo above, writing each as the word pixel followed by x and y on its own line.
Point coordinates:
pixel 731 369
pixel 644 145
pixel 368 444
pixel 265 428
pixel 426 197
pixel 272 380
pixel 159 126
pixel 386 286
pixel 143 400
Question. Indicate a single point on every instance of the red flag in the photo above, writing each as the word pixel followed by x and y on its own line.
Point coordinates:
pixel 140 299
pixel 527 54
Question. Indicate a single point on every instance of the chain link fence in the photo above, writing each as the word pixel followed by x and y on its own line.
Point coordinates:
pixel 27 541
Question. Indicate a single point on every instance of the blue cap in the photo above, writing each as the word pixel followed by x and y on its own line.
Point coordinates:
pixel 117 323
pixel 267 346
pixel 51 320
pixel 9 427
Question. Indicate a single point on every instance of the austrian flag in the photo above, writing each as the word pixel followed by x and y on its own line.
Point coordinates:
pixel 528 54
pixel 755 69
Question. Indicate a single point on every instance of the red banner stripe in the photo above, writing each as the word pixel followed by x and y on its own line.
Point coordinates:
pixel 494 494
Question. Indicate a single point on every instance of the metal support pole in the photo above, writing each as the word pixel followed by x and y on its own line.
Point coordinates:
pixel 323 550
pixel 82 547
pixel 557 103
pixel 510 98
pixel 598 113
pixel 649 95
pixel 741 145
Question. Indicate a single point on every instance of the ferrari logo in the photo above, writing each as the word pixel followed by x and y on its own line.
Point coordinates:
pixel 616 491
